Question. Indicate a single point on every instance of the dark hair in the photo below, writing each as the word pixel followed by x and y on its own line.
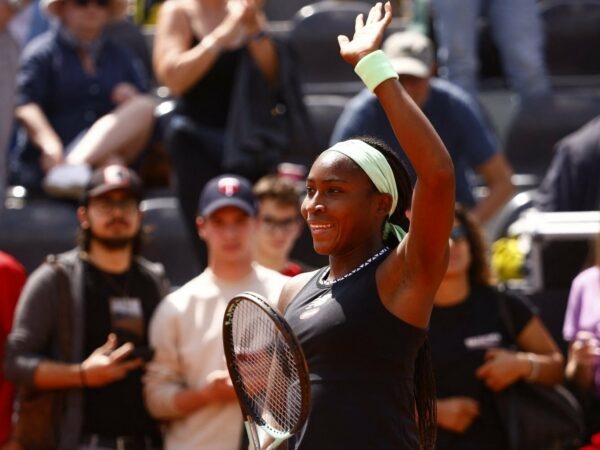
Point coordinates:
pixel 424 380
pixel 281 190
pixel 479 269
pixel 401 177
pixel 84 238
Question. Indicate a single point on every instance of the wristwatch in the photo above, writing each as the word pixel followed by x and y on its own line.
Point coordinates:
pixel 15 5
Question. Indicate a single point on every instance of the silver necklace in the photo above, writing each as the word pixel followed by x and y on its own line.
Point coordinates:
pixel 353 271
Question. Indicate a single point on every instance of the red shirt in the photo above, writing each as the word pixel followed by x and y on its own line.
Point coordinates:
pixel 12 279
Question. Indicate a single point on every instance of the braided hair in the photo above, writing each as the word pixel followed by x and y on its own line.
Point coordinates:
pixel 424 381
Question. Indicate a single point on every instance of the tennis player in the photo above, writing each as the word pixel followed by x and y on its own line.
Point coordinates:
pixel 362 319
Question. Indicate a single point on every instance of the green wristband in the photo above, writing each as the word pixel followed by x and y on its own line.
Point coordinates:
pixel 374 69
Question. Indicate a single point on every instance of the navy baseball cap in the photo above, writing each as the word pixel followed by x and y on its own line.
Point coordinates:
pixel 112 178
pixel 227 190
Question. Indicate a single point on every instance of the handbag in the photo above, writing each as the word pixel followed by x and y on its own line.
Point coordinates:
pixel 538 417
pixel 38 411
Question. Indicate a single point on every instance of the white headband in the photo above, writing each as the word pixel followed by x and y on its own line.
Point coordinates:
pixel 374 164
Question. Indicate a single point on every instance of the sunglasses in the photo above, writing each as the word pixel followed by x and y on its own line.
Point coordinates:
pixel 99 3
pixel 458 234
pixel 274 224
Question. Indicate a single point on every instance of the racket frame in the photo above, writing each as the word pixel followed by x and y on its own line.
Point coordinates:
pixel 251 423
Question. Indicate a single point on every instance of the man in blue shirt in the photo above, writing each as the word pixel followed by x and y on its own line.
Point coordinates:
pixel 571 182
pixel 80 99
pixel 474 150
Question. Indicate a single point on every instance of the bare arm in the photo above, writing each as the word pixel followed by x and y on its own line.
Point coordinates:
pixel 176 65
pixel 41 134
pixel 414 271
pixel 539 360
pixel 179 67
pixel 497 175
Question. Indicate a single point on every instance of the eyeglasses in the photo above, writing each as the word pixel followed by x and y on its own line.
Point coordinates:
pixel 106 205
pixel 273 224
pixel 99 3
pixel 458 234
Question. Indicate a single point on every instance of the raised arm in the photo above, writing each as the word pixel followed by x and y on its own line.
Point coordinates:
pixel 417 266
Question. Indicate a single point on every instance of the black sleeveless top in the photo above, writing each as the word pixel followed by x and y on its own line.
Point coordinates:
pixel 361 361
pixel 207 102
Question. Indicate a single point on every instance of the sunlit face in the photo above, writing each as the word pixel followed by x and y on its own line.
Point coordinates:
pixel 341 207
pixel 114 216
pixel 279 225
pixel 228 234
pixel 460 254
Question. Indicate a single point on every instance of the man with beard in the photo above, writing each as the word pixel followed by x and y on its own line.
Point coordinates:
pixel 80 325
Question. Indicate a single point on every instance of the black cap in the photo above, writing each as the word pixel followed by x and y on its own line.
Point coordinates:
pixel 227 190
pixel 112 178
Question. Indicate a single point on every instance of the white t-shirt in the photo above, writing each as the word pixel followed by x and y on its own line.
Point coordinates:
pixel 186 333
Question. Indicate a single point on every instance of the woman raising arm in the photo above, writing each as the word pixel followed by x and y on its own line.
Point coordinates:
pixel 361 320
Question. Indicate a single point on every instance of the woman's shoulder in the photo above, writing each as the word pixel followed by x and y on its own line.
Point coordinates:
pixel 292 287
pixel 587 275
pixel 182 9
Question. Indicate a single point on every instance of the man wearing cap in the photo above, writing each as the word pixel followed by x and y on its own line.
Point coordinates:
pixel 80 100
pixel 80 325
pixel 458 121
pixel 187 384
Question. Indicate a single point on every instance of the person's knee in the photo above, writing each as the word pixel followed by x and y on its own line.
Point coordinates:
pixel 139 106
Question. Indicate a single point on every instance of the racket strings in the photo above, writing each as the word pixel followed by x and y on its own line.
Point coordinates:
pixel 268 369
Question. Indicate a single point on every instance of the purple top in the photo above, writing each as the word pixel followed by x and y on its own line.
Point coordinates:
pixel 583 309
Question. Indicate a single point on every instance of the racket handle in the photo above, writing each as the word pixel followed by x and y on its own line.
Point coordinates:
pixel 252 434
pixel 276 443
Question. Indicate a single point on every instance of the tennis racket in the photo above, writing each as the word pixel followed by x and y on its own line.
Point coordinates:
pixel 268 370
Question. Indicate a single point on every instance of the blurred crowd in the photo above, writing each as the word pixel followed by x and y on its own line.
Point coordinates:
pixel 104 101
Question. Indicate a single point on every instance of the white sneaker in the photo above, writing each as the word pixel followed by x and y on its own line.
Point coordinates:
pixel 67 180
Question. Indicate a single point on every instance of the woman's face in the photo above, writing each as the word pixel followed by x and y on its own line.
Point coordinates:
pixel 460 254
pixel 341 206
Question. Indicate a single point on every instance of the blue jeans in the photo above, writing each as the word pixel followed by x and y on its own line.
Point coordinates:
pixel 516 29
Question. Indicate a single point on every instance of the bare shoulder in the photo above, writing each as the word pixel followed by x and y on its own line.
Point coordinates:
pixel 174 8
pixel 291 289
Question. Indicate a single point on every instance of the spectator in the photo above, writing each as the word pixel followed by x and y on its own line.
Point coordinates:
pixel 112 294
pixel 80 100
pixel 467 335
pixel 12 279
pixel 581 330
pixel 228 75
pixel 517 31
pixel 187 385
pixel 572 183
pixel 450 111
pixel 279 224
pixel 18 22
